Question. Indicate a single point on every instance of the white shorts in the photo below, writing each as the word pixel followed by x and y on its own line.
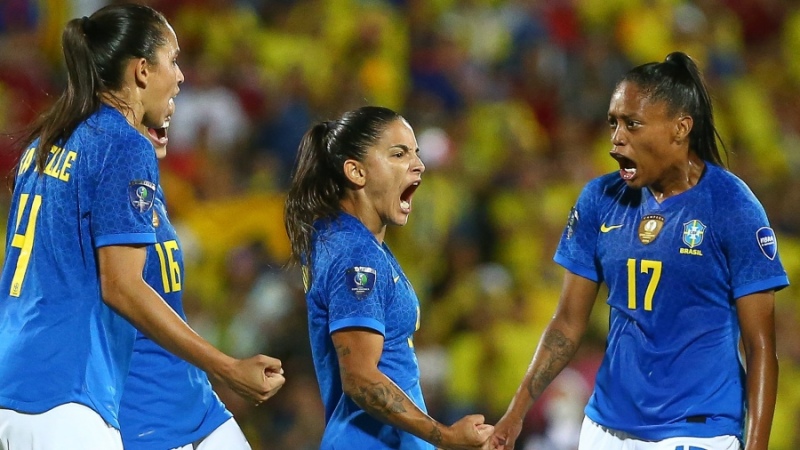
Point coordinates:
pixel 70 426
pixel 227 436
pixel 597 437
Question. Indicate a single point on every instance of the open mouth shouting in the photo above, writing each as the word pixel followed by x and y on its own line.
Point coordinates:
pixel 158 137
pixel 627 167
pixel 405 197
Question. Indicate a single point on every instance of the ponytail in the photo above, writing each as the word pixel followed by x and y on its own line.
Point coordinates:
pixel 78 101
pixel 96 51
pixel 314 191
pixel 678 82
pixel 318 183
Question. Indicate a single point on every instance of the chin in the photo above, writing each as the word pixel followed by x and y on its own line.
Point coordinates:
pixel 399 221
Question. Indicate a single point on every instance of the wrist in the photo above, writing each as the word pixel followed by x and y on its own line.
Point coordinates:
pixel 219 365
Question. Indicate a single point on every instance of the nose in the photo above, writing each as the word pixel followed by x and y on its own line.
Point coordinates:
pixel 417 165
pixel 617 137
pixel 180 76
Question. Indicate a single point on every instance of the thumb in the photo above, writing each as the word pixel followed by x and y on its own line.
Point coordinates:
pixel 484 430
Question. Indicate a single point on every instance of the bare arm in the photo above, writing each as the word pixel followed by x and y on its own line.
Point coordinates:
pixel 556 348
pixel 757 322
pixel 124 289
pixel 359 351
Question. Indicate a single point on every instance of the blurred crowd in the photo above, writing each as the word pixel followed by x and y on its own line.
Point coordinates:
pixel 508 99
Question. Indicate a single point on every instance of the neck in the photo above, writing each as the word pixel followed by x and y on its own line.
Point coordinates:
pixel 680 179
pixel 366 215
pixel 129 108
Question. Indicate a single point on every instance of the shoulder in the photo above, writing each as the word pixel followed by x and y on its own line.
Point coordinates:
pixel 343 240
pixel 729 192
pixel 610 185
pixel 606 189
pixel 107 128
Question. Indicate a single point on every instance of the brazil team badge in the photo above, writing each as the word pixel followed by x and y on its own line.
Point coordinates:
pixel 693 232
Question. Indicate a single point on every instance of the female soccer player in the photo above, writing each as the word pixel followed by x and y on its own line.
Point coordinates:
pixel 80 220
pixel 691 265
pixel 354 177
pixel 168 403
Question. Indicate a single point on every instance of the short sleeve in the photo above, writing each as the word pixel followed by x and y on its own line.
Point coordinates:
pixel 358 289
pixel 577 248
pixel 750 246
pixel 127 178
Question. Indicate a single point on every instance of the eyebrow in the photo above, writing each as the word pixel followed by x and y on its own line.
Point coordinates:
pixel 403 147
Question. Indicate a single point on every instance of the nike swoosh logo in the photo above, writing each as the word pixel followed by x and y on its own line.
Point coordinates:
pixel 396 278
pixel 605 229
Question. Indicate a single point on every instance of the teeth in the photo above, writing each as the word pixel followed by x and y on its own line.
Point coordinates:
pixel 630 170
pixel 404 204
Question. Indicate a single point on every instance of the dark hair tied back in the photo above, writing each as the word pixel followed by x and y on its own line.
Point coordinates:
pixel 96 51
pixel 677 81
pixel 86 24
pixel 318 182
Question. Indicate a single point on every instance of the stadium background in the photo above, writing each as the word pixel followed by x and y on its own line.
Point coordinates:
pixel 508 99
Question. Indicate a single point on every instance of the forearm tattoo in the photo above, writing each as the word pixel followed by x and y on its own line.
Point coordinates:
pixel 435 437
pixel 560 350
pixel 380 399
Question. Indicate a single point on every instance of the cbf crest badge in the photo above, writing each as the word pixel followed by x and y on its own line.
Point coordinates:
pixel 649 228
pixel 141 194
pixel 360 281
pixel 693 232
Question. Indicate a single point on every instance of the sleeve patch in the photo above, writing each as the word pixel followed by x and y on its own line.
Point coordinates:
pixel 572 222
pixel 360 281
pixel 767 242
pixel 141 194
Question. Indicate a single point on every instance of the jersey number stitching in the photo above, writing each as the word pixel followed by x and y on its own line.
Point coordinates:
pixel 645 267
pixel 24 242
pixel 170 270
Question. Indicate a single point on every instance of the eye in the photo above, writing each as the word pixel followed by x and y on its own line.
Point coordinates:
pixel 632 124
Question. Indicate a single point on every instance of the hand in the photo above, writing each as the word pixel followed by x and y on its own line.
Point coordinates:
pixel 505 434
pixel 470 432
pixel 256 378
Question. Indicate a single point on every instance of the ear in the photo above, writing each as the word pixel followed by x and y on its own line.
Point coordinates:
pixel 141 72
pixel 355 172
pixel 683 126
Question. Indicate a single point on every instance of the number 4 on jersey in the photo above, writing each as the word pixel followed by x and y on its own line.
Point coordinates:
pixel 24 241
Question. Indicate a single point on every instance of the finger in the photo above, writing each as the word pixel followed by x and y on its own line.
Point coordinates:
pixel 275 380
pixel 485 431
pixel 271 364
pixel 476 418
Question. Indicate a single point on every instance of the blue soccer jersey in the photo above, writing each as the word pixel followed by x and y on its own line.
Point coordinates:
pixel 674 271
pixel 357 282
pixel 167 402
pixel 59 342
